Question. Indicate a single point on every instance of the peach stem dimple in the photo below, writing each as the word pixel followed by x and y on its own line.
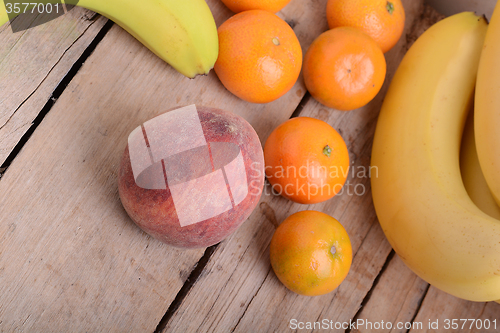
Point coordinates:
pixel 333 250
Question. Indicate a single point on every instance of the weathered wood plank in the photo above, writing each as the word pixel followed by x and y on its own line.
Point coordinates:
pixel 440 309
pixel 395 299
pixel 32 63
pixel 450 7
pixel 393 302
pixel 70 258
pixel 240 292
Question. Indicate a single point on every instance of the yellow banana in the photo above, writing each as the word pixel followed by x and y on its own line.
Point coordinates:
pixel 472 176
pixel 487 106
pixel 183 33
pixel 418 193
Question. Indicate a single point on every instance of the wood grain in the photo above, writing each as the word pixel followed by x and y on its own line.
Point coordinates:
pixel 32 63
pixel 241 293
pixel 439 309
pixel 72 260
pixel 394 300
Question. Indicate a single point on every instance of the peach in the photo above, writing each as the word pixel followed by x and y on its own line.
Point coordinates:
pixel 191 176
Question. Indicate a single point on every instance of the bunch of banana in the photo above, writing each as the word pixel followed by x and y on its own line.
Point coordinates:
pixel 183 33
pixel 418 193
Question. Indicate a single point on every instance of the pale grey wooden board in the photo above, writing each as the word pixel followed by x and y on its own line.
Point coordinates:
pixel 240 291
pixel 450 7
pixel 32 63
pixel 71 259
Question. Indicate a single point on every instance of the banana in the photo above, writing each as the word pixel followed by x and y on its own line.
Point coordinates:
pixel 487 106
pixel 472 176
pixel 418 193
pixel 183 33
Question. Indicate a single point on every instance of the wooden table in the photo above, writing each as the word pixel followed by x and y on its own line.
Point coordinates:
pixel 71 260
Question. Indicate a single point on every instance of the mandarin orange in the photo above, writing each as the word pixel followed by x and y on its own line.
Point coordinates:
pixel 272 6
pixel 383 20
pixel 311 253
pixel 344 68
pixel 306 159
pixel 260 57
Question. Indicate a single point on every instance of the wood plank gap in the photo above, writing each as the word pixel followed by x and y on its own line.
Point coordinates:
pixel 55 95
pixel 374 285
pixel 302 104
pixel 48 74
pixel 417 310
pixel 186 287
pixel 251 300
